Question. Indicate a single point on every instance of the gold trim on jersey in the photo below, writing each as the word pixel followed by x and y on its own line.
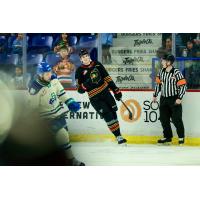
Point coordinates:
pixel 96 91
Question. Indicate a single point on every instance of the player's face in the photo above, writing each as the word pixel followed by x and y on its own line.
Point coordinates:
pixel 163 62
pixel 85 59
pixel 47 76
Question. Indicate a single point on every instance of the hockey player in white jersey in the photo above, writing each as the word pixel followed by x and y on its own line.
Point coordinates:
pixel 48 96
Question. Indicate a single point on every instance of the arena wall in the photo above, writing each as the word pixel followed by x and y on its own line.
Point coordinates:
pixel 145 127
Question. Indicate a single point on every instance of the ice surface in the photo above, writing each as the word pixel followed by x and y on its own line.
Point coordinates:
pixel 111 154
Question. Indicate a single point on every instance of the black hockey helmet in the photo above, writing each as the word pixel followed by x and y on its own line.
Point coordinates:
pixel 164 57
pixel 170 58
pixel 83 52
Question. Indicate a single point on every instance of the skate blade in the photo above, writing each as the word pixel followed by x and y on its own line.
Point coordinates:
pixel 164 144
pixel 123 145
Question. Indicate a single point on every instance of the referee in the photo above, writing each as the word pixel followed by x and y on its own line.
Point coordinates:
pixel 172 85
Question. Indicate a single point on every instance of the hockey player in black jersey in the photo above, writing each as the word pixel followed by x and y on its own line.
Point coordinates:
pixel 93 78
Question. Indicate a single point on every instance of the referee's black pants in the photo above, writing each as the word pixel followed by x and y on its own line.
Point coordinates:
pixel 168 110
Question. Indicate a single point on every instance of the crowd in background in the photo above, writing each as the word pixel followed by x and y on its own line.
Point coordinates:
pixel 187 45
pixel 188 50
pixel 61 51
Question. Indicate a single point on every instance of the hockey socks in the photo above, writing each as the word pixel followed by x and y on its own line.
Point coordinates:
pixel 114 127
pixel 112 123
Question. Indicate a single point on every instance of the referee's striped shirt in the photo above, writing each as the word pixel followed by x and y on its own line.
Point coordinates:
pixel 170 83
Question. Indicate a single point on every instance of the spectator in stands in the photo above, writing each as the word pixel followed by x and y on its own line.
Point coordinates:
pixel 18 44
pixel 197 41
pixel 19 81
pixel 62 42
pixel 64 68
pixel 179 41
pixel 3 45
pixel 107 42
pixel 190 50
pixel 167 48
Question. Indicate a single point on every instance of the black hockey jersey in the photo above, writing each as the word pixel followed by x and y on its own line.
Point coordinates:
pixel 94 79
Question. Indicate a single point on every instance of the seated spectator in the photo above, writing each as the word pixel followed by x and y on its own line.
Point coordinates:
pixel 3 45
pixel 18 44
pixel 179 41
pixel 198 54
pixel 64 68
pixel 107 42
pixel 167 48
pixel 62 42
pixel 190 50
pixel 197 39
pixel 18 80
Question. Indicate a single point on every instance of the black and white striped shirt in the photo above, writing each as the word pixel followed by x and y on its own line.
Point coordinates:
pixel 170 83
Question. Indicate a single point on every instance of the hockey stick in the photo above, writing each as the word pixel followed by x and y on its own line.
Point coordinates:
pixel 129 112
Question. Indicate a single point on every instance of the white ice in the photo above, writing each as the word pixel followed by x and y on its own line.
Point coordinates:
pixel 111 154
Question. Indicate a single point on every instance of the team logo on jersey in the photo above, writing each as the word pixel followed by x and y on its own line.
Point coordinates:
pixel 95 76
pixel 53 98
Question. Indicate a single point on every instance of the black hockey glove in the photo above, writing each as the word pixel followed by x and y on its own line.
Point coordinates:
pixel 84 86
pixel 117 94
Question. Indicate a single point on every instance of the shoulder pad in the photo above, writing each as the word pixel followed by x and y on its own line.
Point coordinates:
pixel 34 87
pixel 54 76
pixel 55 81
pixel 98 64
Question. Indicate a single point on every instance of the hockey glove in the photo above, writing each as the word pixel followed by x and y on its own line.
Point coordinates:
pixel 73 105
pixel 81 89
pixel 117 94
pixel 84 86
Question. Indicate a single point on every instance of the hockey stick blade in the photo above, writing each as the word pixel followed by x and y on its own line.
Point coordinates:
pixel 129 112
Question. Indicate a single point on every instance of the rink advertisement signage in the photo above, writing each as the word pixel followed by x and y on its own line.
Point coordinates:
pixel 137 51
pixel 131 56
pixel 138 42
pixel 126 70
pixel 148 108
pixel 130 35
pixel 145 115
pixel 150 111
pixel 133 81
pixel 134 107
pixel 86 112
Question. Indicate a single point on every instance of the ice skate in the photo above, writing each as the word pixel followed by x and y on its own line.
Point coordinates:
pixel 164 141
pixel 121 140
pixel 181 141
